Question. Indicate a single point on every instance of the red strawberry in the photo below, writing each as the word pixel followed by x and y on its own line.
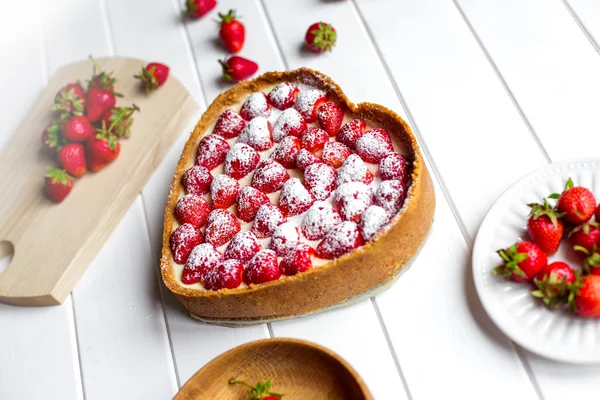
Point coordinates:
pixel 335 153
pixel 78 129
pixel 118 120
pixel 372 221
pixel 374 145
pixel 544 227
pixel 313 139
pixel 262 268
pixel 352 199
pixel 585 237
pixel 196 180
pixel 269 176
pixel 260 391
pixel 586 297
pixel 394 166
pixel 256 105
pixel 238 68
pixel 330 117
pixel 591 263
pixel 221 227
pixel 294 198
pixel 283 95
pixel 285 238
pixel 223 191
pixel 192 209
pixel 319 219
pixel 342 239
pixel 229 124
pixel 320 180
pixel 203 258
pixel 351 131
pixel 258 134
pixel 101 79
pixel 51 139
pixel 268 218
pixel 226 275
pixel 212 151
pixel 522 262
pixel 390 196
pixel 70 100
pixel 576 202
pixel 597 215
pixel 308 102
pixel 289 123
pixel 182 242
pixel 72 158
pixel 286 151
pixel 354 169
pixel 297 260
pixel 58 184
pixel 553 283
pixel 320 37
pixel 198 8
pixel 249 201
pixel 241 160
pixel 304 158
pixel 231 31
pixel 153 76
pixel 242 247
pixel 98 101
pixel 101 151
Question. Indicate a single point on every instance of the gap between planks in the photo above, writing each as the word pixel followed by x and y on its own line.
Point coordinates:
pixel 581 25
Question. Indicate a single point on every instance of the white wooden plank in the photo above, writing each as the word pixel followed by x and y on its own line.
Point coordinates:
pixel 588 13
pixel 551 68
pixel 36 342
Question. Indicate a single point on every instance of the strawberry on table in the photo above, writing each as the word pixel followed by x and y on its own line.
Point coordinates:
pixel 586 297
pixel 72 158
pixel 118 120
pixel 544 227
pixel 231 31
pixel 78 129
pixel 238 68
pixel 553 283
pixel 320 37
pixel 153 76
pixel 51 139
pixel 58 184
pixel 70 100
pixel 98 102
pixel 101 151
pixel 522 261
pixel 576 202
pixel 198 8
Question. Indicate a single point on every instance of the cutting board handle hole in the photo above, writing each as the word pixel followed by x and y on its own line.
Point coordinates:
pixel 7 250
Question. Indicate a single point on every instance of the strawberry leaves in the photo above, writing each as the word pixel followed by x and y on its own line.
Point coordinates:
pixel 512 259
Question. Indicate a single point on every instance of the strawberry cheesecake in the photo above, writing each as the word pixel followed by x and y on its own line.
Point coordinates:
pixel 289 199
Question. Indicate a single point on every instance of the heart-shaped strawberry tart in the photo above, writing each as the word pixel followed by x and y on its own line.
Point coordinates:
pixel 289 199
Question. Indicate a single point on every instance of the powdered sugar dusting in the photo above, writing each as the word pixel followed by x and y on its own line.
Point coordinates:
pixel 242 247
pixel 229 124
pixel 390 195
pixel 257 134
pixel 354 170
pixel 353 198
pixel 319 220
pixel 290 122
pixel 320 180
pixel 211 151
pixel 373 220
pixel 241 159
pixel 294 198
pixel 255 106
pixel 285 238
pixel 374 145
pixel 342 239
pixel 269 176
pixel 268 218
pixel 306 100
pixel 283 95
pixel 304 158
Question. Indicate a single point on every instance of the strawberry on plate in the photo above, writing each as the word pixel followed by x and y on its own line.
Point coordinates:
pixel 58 184
pixel 544 227
pixel 320 37
pixel 72 158
pixel 261 391
pixel 553 283
pixel 153 76
pixel 576 202
pixel 231 31
pixel 586 297
pixel 585 237
pixel 521 262
pixel 238 68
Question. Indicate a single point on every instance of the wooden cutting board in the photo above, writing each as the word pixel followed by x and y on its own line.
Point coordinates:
pixel 52 244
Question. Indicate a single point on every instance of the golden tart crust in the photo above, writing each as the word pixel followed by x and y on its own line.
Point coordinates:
pixel 363 270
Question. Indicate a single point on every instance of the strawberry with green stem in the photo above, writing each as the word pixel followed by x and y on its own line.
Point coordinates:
pixel 153 76
pixel 262 391
pixel 320 37
pixel 102 149
pixel 52 140
pixel 231 31
pixel 591 262
pixel 576 203
pixel 553 284
pixel 585 297
pixel 522 261
pixel 101 79
pixel 238 68
pixel 544 227
pixel 58 183
pixel 69 101
pixel 118 120
pixel 586 236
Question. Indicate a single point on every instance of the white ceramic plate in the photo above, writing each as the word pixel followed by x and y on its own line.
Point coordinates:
pixel 524 319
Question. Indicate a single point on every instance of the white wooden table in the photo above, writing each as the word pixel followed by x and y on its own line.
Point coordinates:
pixel 493 89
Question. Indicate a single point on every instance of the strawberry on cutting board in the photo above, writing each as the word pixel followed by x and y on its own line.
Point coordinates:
pixel 320 37
pixel 78 129
pixel 521 262
pixel 58 184
pixel 70 100
pixel 72 158
pixel 101 79
pixel 544 227
pixel 576 202
pixel 51 139
pixel 153 76
pixel 118 120
pixel 231 31
pixel 101 151
pixel 98 102
pixel 238 68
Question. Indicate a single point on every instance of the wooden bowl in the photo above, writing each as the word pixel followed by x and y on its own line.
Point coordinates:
pixel 296 368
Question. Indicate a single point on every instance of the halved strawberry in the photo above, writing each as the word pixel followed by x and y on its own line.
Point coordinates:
pixel 269 176
pixel 374 145
pixel 313 139
pixel 342 239
pixel 285 238
pixel 286 151
pixel 330 117
pixel 196 180
pixel 319 219
pixel 212 151
pixel 242 247
pixel 262 268
pixel 354 169
pixel 229 124
pixel 249 201
pixel 390 195
pixel 258 134
pixel 203 258
pixel 373 220
pixel 289 123
pixel 352 199
pixel 283 95
pixel 308 102
pixel 192 209
pixel 394 166
pixel 223 191
pixel 320 180
pixel 297 260
pixel 294 198
pixel 268 218
pixel 304 158
pixel 335 153
pixel 226 275
pixel 256 105
pixel 351 131
pixel 182 242
pixel 240 160
pixel 221 227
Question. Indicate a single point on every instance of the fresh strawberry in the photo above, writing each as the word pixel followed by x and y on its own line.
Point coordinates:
pixel 313 139
pixel 242 247
pixel 285 238
pixel 591 263
pixel 269 176
pixel 221 227
pixel 342 239
pixel 153 76
pixel 52 140
pixel 70 100
pixel 586 297
pixel 286 151
pixel 597 214
pixel 58 184
pixel 320 180
pixel 192 209
pixel 330 117
pixel 289 123
pixel 394 166
pixel 231 31
pixel 374 145
pixel 283 95
pixel 196 180
pixel 249 201
pixel 78 129
pixel 226 275
pixel 262 268
pixel 101 79
pixel 256 105
pixel 183 240
pixel 101 151
pixel 585 236
pixel 544 227
pixel 223 191
pixel 261 391
pixel 118 120
pixel 203 258
pixel 297 260
pixel 229 124
pixel 238 68
pixel 576 202
pixel 553 284
pixel 352 199
pixel 212 151
pixel 351 131
pixel 335 153
pixel 294 198
pixel 308 102
pixel 319 219
pixel 304 158
pixel 258 134
pixel 98 101
pixel 268 218
pixel 390 196
pixel 241 160
pixel 198 8
pixel 320 37
pixel 372 221
pixel 72 158
pixel 522 261
pixel 354 169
